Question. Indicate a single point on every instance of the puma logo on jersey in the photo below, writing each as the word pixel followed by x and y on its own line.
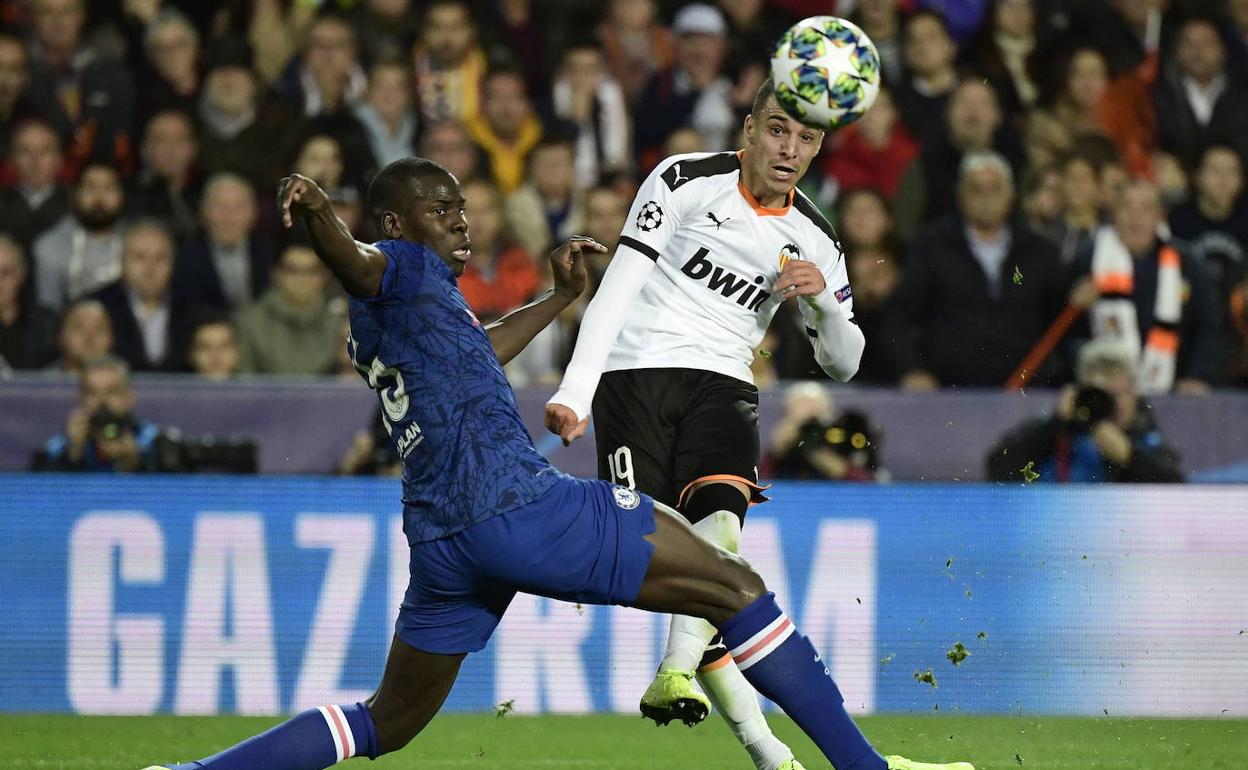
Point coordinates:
pixel 718 222
pixel 725 282
pixel 676 179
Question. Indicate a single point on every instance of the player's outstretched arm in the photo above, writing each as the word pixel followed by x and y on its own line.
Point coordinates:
pixel 512 332
pixel 357 266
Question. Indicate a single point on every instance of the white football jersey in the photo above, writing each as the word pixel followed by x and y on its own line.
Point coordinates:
pixel 718 253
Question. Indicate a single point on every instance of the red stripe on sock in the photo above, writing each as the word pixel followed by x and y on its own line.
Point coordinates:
pixel 342 733
pixel 766 640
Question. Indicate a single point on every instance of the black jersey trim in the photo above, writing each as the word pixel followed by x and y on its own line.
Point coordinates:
pixel 683 171
pixel 808 210
pixel 812 333
pixel 636 245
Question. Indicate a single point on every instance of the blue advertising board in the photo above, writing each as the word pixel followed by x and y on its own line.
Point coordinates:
pixel 204 595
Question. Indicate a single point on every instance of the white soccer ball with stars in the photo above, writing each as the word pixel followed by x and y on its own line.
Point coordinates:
pixel 826 72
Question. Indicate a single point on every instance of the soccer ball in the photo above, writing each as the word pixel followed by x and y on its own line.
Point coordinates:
pixel 826 72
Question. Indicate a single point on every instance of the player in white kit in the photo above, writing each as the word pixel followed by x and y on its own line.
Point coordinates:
pixel 713 244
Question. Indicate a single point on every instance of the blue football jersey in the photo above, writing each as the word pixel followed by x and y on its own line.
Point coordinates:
pixel 449 409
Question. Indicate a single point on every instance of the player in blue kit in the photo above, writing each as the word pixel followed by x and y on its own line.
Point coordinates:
pixel 485 514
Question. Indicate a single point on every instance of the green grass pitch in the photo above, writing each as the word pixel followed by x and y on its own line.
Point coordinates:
pixel 487 742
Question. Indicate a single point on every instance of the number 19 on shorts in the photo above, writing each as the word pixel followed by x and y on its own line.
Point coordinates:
pixel 620 465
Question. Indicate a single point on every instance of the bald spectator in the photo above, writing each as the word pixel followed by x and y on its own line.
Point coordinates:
pixel 1197 103
pixel 978 290
pixel 83 251
pixel 227 264
pixel 930 53
pixel 973 123
pixel 694 91
pixel 171 44
pixel 1166 308
pixel 450 64
pixel 151 328
pixel 507 128
pixel 36 201
pixel 84 93
pixel 27 331
pixel 167 188
pixel 294 328
pixel 86 333
pixel 447 143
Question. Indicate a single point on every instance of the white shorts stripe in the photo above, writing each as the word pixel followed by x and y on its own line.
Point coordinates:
pixel 333 732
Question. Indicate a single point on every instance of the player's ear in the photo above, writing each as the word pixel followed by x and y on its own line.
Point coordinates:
pixel 390 226
pixel 749 128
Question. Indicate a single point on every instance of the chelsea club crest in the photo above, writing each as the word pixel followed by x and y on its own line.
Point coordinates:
pixel 626 498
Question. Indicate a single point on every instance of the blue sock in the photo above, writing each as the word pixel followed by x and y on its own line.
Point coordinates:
pixel 313 740
pixel 784 666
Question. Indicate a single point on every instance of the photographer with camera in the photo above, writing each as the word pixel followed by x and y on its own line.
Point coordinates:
pixel 102 433
pixel 810 444
pixel 1102 429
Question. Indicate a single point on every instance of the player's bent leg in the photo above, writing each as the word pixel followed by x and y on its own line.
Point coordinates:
pixel 414 686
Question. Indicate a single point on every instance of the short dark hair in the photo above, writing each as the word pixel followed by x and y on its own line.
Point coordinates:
pixel 394 181
pixel 207 317
pixel 926 13
pixel 765 92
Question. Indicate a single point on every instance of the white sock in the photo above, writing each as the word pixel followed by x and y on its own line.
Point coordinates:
pixel 735 700
pixel 688 637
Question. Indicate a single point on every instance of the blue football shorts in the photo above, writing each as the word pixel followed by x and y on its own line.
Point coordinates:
pixel 583 541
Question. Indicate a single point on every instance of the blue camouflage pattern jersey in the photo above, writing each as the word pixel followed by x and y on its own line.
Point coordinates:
pixel 445 401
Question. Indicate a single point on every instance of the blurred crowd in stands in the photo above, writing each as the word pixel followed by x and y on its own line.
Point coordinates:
pixel 1069 162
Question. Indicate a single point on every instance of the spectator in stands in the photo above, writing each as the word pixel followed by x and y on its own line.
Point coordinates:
pixel 1006 51
pixel 449 62
pixel 811 443
pixel 507 128
pixel 327 75
pixel 243 129
pixel 172 46
pixel 15 104
pixel 167 187
pixel 930 52
pixel 85 333
pixel 227 265
pixel 875 151
pixel 881 20
pixel 1197 104
pixel 587 97
pixel 1081 212
pixel 978 290
pixel 872 259
pixel 447 143
pixel 635 44
pixel 1126 32
pixel 1070 112
pixel 547 209
pixel 606 211
pixel 1042 198
pixel 693 92
pixel 501 275
pixel 294 328
pixel 387 115
pixel 386 29
pixel 214 348
pixel 81 90
pixel 320 159
pixel 1155 296
pixel 36 201
pixel 1215 222
pixel 27 330
pixel 682 141
pixel 151 327
pixel 1102 430
pixel 1237 38
pixel 102 433
pixel 973 122
pixel 371 452
pixel 82 252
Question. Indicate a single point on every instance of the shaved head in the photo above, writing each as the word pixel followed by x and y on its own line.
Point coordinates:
pixel 399 180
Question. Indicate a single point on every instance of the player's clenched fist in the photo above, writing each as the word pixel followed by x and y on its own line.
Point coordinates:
pixel 568 264
pixel 299 195
pixel 800 278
